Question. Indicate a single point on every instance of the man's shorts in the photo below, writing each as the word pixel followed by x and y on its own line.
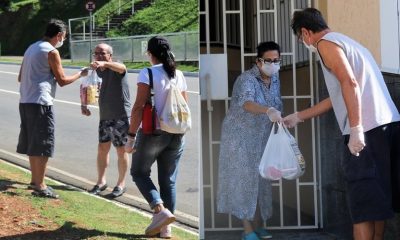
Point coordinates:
pixel 115 130
pixel 372 177
pixel 36 137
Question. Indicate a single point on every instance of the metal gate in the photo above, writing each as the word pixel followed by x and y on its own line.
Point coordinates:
pixel 235 27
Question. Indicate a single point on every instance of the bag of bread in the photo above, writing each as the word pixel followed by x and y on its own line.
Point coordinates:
pixel 90 88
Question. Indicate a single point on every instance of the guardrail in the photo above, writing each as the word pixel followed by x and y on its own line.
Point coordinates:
pixel 185 46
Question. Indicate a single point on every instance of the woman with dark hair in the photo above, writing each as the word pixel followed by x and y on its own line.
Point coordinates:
pixel 256 103
pixel 161 146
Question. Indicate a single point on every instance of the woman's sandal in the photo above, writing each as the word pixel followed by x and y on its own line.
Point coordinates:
pixel 45 193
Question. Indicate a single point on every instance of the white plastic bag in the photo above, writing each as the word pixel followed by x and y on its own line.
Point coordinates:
pixel 282 157
pixel 90 88
pixel 175 116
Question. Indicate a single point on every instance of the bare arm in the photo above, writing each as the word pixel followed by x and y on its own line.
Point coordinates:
pixel 20 71
pixel 184 94
pixel 255 108
pixel 316 110
pixel 335 59
pixel 54 60
pixel 137 109
pixel 115 66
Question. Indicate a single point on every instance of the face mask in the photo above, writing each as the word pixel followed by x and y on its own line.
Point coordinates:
pixel 59 44
pixel 270 69
pixel 310 47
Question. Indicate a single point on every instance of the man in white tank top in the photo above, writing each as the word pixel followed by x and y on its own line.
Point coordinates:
pixel 40 72
pixel 367 117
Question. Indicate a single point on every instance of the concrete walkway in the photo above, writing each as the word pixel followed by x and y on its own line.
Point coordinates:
pixel 276 235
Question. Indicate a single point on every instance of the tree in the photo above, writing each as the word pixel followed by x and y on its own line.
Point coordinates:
pixel 5 5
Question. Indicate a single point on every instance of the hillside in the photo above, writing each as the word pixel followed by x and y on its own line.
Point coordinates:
pixel 23 21
pixel 164 16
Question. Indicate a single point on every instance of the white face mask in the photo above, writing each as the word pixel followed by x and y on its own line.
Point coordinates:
pixel 59 44
pixel 270 69
pixel 310 47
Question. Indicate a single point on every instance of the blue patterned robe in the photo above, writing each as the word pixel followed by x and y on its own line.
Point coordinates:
pixel 243 139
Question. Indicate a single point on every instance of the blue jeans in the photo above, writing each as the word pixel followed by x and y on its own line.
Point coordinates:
pixel 166 149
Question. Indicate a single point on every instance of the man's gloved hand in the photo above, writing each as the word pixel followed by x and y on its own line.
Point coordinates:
pixel 356 141
pixel 292 120
pixel 130 144
pixel 84 72
pixel 274 115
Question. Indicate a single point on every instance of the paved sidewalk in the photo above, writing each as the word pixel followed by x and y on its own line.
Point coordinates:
pixel 276 235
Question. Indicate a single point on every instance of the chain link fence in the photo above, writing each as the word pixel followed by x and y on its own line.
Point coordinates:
pixel 184 45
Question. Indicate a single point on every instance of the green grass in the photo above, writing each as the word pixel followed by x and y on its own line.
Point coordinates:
pixel 164 16
pixel 80 214
pixel 110 9
pixel 130 65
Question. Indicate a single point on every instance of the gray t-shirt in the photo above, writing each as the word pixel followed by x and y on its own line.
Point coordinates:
pixel 114 99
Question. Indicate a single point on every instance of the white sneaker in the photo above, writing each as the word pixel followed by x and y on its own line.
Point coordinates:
pixel 161 219
pixel 166 231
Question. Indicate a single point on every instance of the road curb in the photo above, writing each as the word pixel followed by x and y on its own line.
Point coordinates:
pixel 186 74
pixel 185 220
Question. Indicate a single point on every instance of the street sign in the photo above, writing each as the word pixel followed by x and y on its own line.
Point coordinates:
pixel 90 6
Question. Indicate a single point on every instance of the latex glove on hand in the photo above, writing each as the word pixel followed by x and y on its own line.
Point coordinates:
pixel 292 120
pixel 274 115
pixel 130 144
pixel 356 142
pixel 84 71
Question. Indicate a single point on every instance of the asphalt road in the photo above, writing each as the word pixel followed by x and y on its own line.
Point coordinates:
pixel 77 138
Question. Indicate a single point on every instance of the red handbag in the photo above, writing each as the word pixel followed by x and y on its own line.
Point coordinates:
pixel 149 115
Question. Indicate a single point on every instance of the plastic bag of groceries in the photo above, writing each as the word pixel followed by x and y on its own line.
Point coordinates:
pixel 90 88
pixel 282 157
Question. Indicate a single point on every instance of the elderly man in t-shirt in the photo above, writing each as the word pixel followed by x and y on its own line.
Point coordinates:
pixel 115 108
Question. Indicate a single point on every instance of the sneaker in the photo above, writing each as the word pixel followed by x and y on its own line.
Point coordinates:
pixel 166 231
pixel 97 189
pixel 159 220
pixel 250 236
pixel 263 233
pixel 118 191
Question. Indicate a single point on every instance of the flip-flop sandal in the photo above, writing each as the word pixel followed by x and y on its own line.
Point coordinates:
pixel 32 186
pixel 45 193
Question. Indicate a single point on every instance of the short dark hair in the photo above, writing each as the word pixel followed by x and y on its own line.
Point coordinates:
pixel 54 27
pixel 267 46
pixel 308 18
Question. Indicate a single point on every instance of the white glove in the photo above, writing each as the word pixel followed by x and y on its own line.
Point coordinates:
pixel 130 144
pixel 356 141
pixel 274 115
pixel 292 120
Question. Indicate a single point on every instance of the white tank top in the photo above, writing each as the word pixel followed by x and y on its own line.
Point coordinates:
pixel 37 80
pixel 377 107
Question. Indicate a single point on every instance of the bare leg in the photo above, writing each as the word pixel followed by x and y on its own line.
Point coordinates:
pixel 158 208
pixel 38 170
pixel 248 228
pixel 379 230
pixel 103 160
pixel 123 159
pixel 257 223
pixel 363 231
